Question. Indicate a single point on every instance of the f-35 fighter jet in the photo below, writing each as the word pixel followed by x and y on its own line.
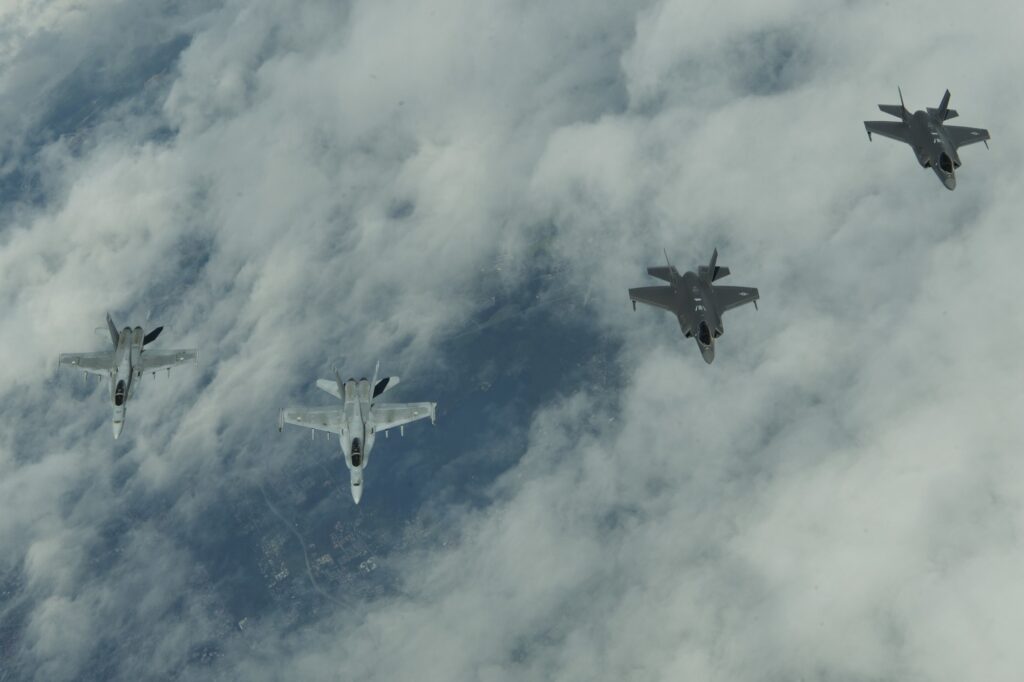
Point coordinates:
pixel 935 144
pixel 695 301
pixel 358 420
pixel 125 364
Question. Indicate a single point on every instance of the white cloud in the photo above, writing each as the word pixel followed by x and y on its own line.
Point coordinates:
pixel 835 497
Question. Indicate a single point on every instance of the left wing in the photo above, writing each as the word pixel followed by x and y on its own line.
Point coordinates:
pixel 962 135
pixel 91 363
pixel 152 360
pixel 890 129
pixel 331 419
pixel 727 298
pixel 659 297
pixel 389 415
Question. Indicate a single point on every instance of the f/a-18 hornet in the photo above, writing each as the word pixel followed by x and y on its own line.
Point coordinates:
pixel 125 364
pixel 358 420
pixel 695 301
pixel 934 143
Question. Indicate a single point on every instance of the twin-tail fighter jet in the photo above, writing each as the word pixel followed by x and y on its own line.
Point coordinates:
pixel 358 420
pixel 695 301
pixel 934 143
pixel 125 364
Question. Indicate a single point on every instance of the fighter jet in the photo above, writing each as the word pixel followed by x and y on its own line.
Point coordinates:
pixel 125 364
pixel 935 144
pixel 358 420
pixel 695 301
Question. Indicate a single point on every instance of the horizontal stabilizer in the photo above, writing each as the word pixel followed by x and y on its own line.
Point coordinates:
pixel 950 113
pixel 896 110
pixel 720 272
pixel 384 384
pixel 661 272
pixel 329 386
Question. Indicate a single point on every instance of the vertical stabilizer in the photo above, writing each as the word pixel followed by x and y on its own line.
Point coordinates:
pixel 944 106
pixel 373 384
pixel 899 111
pixel 114 335
pixel 707 272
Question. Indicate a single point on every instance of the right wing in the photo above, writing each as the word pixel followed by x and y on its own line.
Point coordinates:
pixel 330 419
pixel 727 298
pixel 962 135
pixel 92 363
pixel 153 360
pixel 659 297
pixel 389 415
pixel 891 129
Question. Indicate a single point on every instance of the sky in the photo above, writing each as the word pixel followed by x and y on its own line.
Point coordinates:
pixel 465 191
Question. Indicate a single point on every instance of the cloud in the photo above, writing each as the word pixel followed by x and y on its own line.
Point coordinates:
pixel 834 498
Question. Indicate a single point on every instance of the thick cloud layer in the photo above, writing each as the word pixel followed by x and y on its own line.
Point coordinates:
pixel 286 186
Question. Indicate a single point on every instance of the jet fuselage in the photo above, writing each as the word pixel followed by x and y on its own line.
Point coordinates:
pixel 697 315
pixel 359 433
pixel 932 146
pixel 127 356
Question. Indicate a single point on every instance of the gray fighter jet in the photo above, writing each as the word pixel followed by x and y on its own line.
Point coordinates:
pixel 358 420
pixel 125 364
pixel 934 143
pixel 695 301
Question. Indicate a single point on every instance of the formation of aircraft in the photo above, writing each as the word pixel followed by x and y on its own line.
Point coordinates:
pixel 125 363
pixel 693 297
pixel 358 419
pixel 935 144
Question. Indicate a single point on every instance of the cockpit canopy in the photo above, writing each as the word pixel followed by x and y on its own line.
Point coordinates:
pixel 119 393
pixel 357 452
pixel 945 163
pixel 704 334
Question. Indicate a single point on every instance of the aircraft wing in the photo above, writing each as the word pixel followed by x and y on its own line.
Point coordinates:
pixel 659 297
pixel 961 135
pixel 389 415
pixel 330 419
pixel 152 360
pixel 91 363
pixel 727 298
pixel 891 129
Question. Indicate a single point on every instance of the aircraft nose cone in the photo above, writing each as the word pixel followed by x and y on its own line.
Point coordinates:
pixel 357 492
pixel 118 427
pixel 707 352
pixel 950 182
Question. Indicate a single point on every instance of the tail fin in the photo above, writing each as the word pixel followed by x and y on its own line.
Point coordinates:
pixel 384 384
pixel 944 113
pixel 898 111
pixel 381 385
pixel 151 336
pixel 712 270
pixel 114 335
pixel 660 272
